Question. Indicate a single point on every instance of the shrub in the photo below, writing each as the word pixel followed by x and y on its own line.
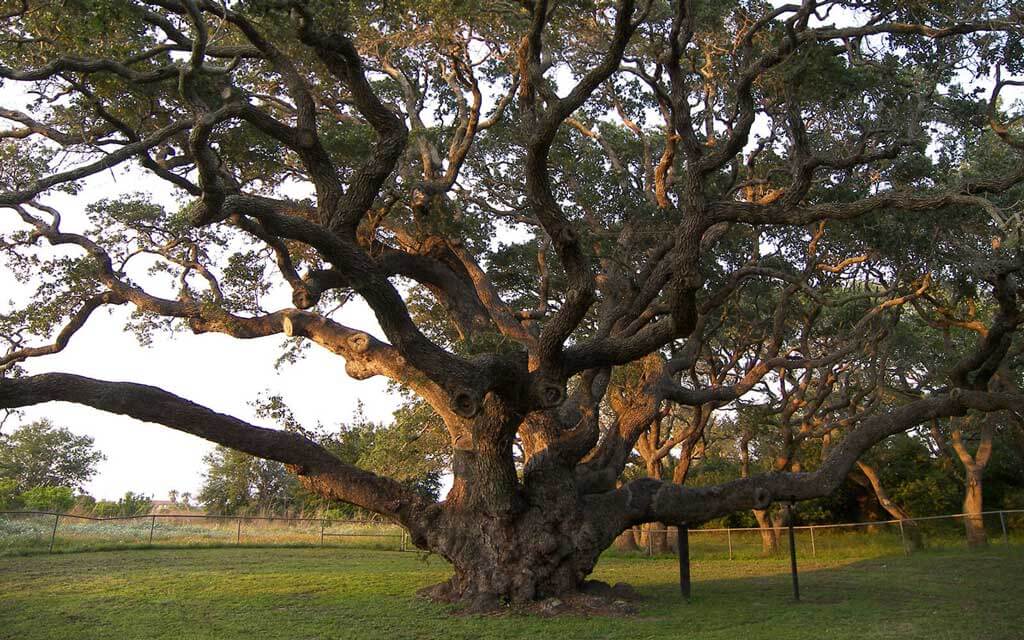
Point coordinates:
pixel 105 509
pixel 8 493
pixel 84 503
pixel 134 504
pixel 58 499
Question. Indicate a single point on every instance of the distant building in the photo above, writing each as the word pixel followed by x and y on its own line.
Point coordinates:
pixel 170 507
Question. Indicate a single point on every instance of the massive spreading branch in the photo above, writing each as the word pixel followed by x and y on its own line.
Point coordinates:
pixel 584 228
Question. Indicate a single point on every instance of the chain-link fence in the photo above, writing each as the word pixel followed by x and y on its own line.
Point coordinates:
pixel 28 531
pixel 41 531
pixel 857 539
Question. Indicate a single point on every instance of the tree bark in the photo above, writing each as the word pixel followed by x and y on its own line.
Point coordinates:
pixel 626 542
pixel 974 522
pixel 974 471
pixel 896 511
pixel 769 539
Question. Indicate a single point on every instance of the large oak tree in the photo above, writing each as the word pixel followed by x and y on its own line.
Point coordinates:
pixel 571 220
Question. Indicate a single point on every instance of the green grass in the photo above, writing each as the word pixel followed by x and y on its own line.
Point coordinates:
pixel 348 593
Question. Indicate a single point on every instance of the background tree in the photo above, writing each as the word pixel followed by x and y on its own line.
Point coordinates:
pixel 411 450
pixel 41 454
pixel 236 482
pixel 58 499
pixel 538 201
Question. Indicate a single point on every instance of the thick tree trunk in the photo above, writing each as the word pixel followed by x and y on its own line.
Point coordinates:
pixel 508 539
pixel 974 522
pixel 541 553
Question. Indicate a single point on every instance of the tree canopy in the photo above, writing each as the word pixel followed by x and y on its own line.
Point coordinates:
pixel 41 454
pixel 583 228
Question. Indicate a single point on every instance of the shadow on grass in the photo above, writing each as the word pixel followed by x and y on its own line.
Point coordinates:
pixel 240 592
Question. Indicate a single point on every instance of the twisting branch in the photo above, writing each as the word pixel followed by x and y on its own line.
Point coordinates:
pixel 76 322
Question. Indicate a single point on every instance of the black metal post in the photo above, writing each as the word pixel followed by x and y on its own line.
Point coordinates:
pixel 683 535
pixel 792 552
pixel 53 534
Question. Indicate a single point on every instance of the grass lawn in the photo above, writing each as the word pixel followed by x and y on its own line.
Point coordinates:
pixel 346 593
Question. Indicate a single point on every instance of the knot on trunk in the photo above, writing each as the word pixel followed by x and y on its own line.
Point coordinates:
pixel 305 298
pixel 547 393
pixel 762 498
pixel 358 342
pixel 358 370
pixel 198 325
pixel 466 404
pixel 567 236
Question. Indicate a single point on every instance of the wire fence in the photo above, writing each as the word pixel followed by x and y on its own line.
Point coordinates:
pixel 44 531
pixel 34 531
pixel 854 539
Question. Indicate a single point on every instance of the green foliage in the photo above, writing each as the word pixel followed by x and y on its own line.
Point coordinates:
pixel 59 499
pixel 20 163
pixel 915 479
pixel 41 454
pixel 8 494
pixel 106 509
pixel 134 504
pixel 84 503
pixel 412 449
pixel 130 504
pixel 235 482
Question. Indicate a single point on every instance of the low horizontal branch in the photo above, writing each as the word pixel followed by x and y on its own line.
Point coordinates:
pixel 317 467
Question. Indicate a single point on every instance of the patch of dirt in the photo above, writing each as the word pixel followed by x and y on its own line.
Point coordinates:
pixel 580 604
pixel 595 599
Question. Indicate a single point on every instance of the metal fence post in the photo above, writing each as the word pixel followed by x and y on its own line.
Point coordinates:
pixel 152 525
pixel 683 542
pixel 238 532
pixel 792 553
pixel 53 534
pixel 650 541
pixel 1002 523
pixel 728 536
pixel 321 533
pixel 903 539
pixel 814 551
